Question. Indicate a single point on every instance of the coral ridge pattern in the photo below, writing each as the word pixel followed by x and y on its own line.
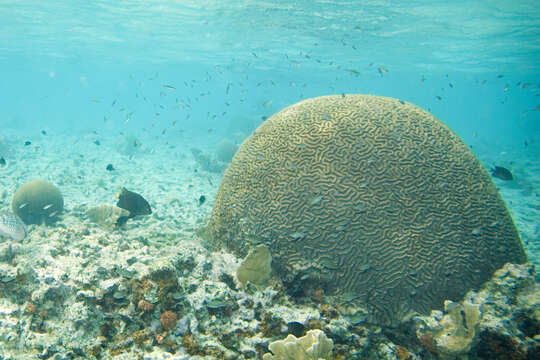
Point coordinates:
pixel 370 195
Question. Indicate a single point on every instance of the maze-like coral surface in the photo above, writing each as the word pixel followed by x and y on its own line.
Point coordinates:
pixel 373 195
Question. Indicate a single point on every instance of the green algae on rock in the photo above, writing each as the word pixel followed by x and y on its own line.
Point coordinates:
pixel 371 195
pixel 38 202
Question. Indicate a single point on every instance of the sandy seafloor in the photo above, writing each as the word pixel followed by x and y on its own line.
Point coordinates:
pixel 72 290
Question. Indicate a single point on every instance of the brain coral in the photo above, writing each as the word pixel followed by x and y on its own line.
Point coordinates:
pixel 37 202
pixel 372 195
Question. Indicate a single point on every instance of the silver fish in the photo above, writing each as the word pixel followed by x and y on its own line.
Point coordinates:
pixel 11 226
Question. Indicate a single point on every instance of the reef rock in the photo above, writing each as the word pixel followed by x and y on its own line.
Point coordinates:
pixel 501 321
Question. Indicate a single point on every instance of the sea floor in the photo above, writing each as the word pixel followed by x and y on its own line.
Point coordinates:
pixel 81 290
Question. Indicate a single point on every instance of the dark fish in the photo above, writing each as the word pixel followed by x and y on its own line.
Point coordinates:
pixel 2 161
pixel 202 199
pixel 109 167
pixel 132 202
pixel 43 132
pixel 295 328
pixel 26 143
pixel 502 173
pixel 97 142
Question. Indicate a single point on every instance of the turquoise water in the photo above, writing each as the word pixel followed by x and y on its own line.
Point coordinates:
pixel 69 60
pixel 146 85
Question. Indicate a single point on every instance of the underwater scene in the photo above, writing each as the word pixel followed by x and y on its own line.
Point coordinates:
pixel 287 180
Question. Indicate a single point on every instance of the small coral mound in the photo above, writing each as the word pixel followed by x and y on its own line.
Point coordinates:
pixel 38 202
pixel 313 346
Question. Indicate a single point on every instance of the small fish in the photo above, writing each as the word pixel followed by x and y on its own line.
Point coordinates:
pixel 43 132
pixel 502 173
pixel 477 231
pixel 169 87
pixel 2 161
pixel 506 87
pixel 422 78
pixel 47 206
pixel 353 72
pixel 109 167
pixel 317 200
pixel 97 142
pixel 500 76
pixel 27 142
pixel 494 224
pixel 202 199
pixel 364 268
pixel 22 205
pixel 113 103
pixel 298 235
pixel 12 226
pixel 381 69
pixel 438 97
pixel 451 85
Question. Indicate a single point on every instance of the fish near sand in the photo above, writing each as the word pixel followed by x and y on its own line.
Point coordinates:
pixel 502 173
pixel 132 202
pixel 11 226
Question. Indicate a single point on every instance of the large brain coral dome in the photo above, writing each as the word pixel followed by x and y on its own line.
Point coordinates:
pixel 374 196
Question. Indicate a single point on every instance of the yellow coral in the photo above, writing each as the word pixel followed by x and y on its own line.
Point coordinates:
pixel 256 267
pixel 313 346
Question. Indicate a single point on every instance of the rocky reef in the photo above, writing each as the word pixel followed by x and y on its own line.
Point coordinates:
pixel 150 291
